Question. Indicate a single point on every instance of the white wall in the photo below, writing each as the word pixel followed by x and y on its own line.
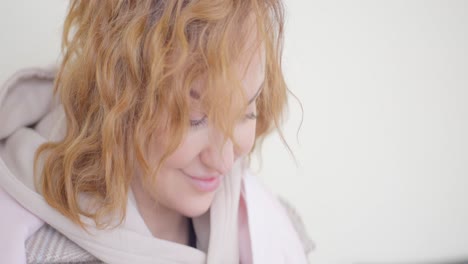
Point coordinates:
pixel 30 34
pixel 382 153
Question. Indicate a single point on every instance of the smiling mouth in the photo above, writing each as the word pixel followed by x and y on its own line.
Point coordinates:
pixel 204 184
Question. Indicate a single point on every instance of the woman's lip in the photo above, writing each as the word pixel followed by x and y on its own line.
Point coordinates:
pixel 204 184
pixel 202 178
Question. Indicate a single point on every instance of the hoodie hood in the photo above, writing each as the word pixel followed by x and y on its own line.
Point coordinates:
pixel 31 116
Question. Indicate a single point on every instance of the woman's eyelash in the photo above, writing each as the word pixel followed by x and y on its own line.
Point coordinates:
pixel 198 123
pixel 201 122
pixel 251 116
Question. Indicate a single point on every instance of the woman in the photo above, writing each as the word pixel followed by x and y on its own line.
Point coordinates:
pixel 136 149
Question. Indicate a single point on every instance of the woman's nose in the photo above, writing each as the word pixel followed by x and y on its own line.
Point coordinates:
pixel 219 154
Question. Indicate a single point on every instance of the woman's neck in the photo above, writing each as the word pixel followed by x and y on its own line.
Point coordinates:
pixel 163 222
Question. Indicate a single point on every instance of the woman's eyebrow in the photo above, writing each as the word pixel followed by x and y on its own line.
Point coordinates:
pixel 195 95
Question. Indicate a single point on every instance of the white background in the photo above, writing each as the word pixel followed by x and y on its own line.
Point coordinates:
pixel 382 172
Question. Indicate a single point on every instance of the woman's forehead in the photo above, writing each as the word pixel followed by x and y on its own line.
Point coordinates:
pixel 252 71
pixel 250 65
pixel 249 68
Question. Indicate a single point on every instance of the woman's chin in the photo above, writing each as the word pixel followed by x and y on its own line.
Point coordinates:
pixel 197 206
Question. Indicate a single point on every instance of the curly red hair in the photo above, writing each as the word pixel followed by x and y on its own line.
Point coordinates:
pixel 126 73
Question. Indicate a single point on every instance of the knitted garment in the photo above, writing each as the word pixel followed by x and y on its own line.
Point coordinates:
pixel 47 245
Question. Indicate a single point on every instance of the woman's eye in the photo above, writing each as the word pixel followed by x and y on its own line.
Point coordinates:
pixel 251 115
pixel 202 121
pixel 198 123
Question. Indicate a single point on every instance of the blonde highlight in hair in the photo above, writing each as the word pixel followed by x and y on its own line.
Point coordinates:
pixel 126 74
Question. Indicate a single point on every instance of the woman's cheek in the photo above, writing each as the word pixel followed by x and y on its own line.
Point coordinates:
pixel 245 136
pixel 188 149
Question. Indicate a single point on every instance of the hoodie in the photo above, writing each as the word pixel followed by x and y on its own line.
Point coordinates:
pixel 245 222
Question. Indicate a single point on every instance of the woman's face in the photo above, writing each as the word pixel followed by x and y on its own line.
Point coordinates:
pixel 188 180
